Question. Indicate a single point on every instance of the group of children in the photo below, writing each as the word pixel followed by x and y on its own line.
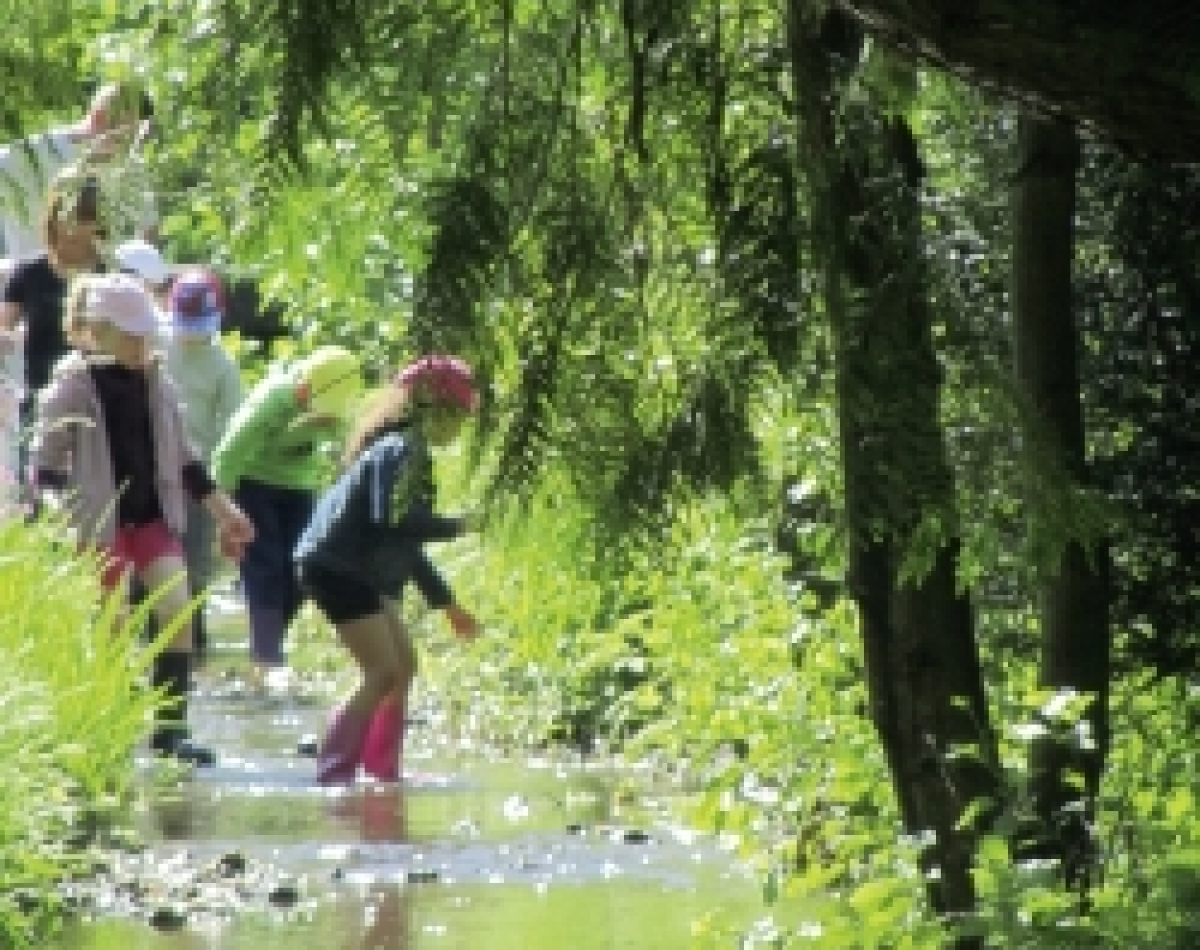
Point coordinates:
pixel 152 451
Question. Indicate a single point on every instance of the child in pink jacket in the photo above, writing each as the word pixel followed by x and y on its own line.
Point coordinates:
pixel 110 436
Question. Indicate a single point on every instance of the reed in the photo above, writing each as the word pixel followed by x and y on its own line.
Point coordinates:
pixel 73 706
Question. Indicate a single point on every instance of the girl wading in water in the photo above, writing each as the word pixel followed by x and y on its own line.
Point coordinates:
pixel 110 436
pixel 366 541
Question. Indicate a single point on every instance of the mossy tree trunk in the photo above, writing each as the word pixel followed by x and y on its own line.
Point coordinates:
pixel 924 678
pixel 1073 586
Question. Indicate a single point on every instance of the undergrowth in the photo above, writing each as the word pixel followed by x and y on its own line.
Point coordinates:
pixel 74 706
pixel 694 650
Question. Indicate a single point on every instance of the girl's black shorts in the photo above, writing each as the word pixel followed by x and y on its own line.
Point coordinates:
pixel 341 597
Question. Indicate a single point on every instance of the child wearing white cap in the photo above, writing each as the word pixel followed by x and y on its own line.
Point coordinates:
pixel 110 435
pixel 144 261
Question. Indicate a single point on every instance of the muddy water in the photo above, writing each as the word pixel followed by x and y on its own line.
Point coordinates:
pixel 473 850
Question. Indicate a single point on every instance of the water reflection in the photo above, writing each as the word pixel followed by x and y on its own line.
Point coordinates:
pixel 472 852
pixel 388 921
pixel 173 816
pixel 382 814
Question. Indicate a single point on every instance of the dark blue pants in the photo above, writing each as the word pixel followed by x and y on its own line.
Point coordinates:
pixel 269 582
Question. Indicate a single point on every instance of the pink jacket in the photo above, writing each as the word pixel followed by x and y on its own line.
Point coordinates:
pixel 70 437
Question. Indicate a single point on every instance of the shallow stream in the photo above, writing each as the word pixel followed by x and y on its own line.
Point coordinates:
pixel 473 850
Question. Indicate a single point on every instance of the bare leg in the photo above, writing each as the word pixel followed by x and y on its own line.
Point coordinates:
pixel 370 641
pixel 384 745
pixel 381 663
pixel 166 580
pixel 406 653
pixel 170 604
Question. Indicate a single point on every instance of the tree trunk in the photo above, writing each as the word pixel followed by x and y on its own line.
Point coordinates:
pixel 924 679
pixel 1073 586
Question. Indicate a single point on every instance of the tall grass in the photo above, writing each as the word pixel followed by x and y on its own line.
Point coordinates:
pixel 72 708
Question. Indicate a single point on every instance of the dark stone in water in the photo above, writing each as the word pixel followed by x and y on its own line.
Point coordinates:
pixel 422 877
pixel 167 918
pixel 284 895
pixel 232 864
pixel 308 745
pixel 635 836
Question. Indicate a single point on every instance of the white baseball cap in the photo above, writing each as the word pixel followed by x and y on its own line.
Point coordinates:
pixel 142 259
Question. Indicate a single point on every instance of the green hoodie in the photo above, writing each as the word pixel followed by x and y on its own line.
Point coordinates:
pixel 271 440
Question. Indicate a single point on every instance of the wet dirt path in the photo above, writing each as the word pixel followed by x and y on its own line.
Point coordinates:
pixel 474 850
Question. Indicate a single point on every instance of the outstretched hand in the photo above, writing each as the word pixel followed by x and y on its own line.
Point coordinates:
pixel 465 626
pixel 234 529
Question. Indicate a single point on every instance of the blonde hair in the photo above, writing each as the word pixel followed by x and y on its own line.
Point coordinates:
pixel 387 406
pixel 74 198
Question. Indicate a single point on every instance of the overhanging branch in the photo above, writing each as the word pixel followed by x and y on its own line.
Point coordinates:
pixel 1126 72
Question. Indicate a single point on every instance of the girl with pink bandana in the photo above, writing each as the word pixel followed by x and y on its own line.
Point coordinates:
pixel 366 542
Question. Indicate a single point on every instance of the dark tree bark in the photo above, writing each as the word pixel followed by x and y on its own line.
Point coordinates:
pixel 1126 71
pixel 1073 589
pixel 924 679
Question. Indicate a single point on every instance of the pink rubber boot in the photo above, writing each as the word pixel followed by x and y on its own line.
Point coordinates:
pixel 385 741
pixel 337 762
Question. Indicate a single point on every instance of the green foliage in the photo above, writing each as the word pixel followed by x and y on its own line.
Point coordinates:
pixel 1138 298
pixel 75 709
pixel 607 209
pixel 45 63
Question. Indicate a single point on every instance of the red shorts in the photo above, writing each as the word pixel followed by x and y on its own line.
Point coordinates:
pixel 137 546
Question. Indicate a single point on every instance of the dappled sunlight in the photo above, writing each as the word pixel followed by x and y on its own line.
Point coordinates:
pixel 536 850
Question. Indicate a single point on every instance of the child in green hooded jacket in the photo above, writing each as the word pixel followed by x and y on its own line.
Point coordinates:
pixel 271 459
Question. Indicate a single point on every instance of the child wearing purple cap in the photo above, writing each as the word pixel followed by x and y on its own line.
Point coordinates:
pixel 366 541
pixel 110 436
pixel 210 386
